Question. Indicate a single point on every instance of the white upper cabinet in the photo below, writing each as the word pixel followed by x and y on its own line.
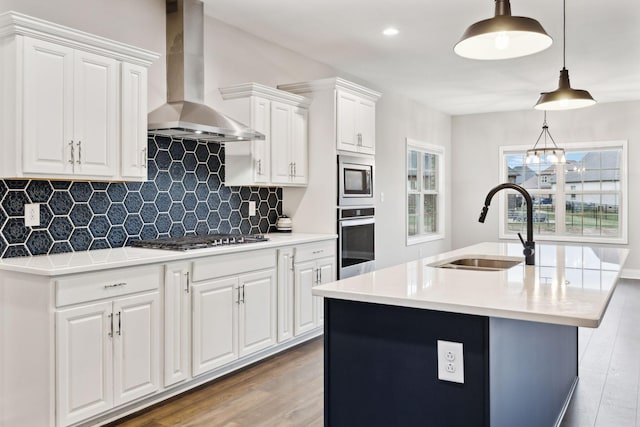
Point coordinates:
pixel 133 127
pixel 73 105
pixel 95 124
pixel 282 157
pixel 354 109
pixel 355 122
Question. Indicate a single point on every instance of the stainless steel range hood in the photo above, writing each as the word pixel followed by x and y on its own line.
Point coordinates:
pixel 185 115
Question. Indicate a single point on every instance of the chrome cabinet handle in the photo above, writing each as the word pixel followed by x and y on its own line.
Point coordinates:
pixel 144 157
pixel 294 169
pixel 243 294
pixel 259 161
pixel 359 139
pixel 73 155
pixel 115 285
pixel 110 334
pixel 187 287
pixel 238 300
pixel 292 262
pixel 79 152
pixel 119 332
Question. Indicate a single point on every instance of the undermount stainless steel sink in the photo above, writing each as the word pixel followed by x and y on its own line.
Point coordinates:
pixel 478 263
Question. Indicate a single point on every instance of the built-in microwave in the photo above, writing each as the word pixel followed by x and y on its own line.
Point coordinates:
pixel 355 181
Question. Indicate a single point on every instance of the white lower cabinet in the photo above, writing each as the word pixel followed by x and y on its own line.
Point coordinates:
pixel 300 268
pixel 107 354
pixel 309 310
pixel 304 306
pixel 177 323
pixel 215 312
pixel 235 315
pixel 286 280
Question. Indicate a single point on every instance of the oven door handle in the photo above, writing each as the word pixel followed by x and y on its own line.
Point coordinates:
pixel 352 222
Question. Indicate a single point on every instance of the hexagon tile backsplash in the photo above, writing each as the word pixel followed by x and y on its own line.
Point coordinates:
pixel 184 195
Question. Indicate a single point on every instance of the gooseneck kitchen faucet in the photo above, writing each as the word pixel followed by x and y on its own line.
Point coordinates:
pixel 529 246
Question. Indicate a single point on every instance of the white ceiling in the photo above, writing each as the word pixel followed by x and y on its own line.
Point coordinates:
pixel 603 46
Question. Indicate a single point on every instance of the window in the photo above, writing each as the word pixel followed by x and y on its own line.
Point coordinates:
pixel 583 200
pixel 425 199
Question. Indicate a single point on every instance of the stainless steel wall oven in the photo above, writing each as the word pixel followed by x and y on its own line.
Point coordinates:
pixel 356 241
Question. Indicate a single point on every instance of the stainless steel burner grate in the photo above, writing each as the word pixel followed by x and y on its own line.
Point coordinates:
pixel 199 242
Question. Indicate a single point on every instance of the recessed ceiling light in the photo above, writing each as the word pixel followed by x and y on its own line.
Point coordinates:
pixel 390 31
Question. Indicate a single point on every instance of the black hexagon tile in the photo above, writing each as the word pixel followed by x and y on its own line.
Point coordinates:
pixel 81 191
pixel 14 201
pixel 39 191
pixel 39 242
pixel 61 228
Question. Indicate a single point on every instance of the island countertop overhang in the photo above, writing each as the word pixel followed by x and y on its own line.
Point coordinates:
pixel 569 285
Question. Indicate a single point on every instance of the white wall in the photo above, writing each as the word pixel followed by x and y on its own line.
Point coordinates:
pixel 476 140
pixel 398 118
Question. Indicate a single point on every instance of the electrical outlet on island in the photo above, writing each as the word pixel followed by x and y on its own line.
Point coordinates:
pixel 450 361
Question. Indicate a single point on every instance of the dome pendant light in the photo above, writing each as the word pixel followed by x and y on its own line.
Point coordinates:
pixel 503 36
pixel 564 98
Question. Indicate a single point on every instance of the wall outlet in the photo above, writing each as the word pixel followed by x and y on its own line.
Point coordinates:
pixel 252 208
pixel 32 214
pixel 450 361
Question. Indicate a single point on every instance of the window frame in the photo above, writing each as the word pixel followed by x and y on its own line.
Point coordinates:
pixel 440 152
pixel 623 209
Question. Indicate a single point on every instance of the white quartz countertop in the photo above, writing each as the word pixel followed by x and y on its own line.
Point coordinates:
pixel 101 259
pixel 569 285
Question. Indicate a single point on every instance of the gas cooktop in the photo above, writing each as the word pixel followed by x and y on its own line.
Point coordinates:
pixel 199 242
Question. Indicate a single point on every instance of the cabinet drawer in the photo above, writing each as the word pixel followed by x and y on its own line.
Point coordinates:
pixel 84 287
pixel 232 264
pixel 315 250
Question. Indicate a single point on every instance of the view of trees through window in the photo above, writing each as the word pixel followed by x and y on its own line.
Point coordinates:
pixel 423 191
pixel 579 198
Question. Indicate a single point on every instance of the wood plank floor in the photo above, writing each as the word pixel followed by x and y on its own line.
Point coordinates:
pixel 287 390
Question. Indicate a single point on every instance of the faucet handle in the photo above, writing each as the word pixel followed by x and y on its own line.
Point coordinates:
pixel 522 240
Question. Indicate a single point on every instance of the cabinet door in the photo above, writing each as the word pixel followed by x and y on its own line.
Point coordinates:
pixel 261 149
pixel 95 120
pixel 47 124
pixel 305 279
pixel 84 362
pixel 133 113
pixel 136 346
pixel 177 316
pixel 366 130
pixel 347 111
pixel 257 315
pixel 281 162
pixel 299 144
pixel 215 313
pixel 285 293
pixel 327 274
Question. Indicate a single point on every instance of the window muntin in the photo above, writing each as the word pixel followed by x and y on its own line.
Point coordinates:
pixel 582 200
pixel 425 199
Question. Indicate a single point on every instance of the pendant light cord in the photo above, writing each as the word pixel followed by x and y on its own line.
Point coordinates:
pixel 564 33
